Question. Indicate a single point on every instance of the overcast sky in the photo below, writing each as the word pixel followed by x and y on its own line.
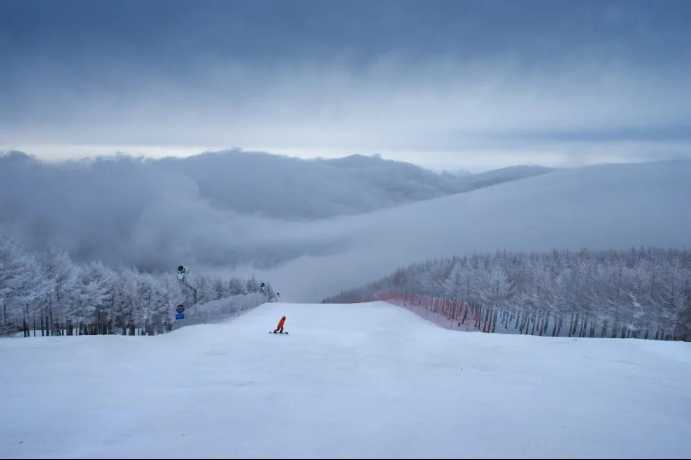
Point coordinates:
pixel 445 84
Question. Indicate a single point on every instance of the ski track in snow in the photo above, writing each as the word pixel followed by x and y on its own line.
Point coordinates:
pixel 364 380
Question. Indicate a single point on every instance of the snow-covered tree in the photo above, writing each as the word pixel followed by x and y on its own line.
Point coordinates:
pixel 51 293
pixel 637 293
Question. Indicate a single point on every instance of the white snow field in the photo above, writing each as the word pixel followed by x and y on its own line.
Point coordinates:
pixel 364 380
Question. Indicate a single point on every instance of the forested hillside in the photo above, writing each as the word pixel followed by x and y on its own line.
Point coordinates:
pixel 642 293
pixel 49 294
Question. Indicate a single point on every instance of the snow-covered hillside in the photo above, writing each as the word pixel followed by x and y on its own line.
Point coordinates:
pixel 349 381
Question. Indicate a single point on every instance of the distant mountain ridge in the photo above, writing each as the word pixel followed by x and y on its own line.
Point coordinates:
pixel 281 187
pixel 297 189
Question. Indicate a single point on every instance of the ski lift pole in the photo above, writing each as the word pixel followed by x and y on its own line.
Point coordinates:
pixel 182 273
pixel 194 291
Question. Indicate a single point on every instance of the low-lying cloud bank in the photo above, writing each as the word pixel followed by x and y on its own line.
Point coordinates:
pixel 600 207
pixel 216 210
pixel 123 211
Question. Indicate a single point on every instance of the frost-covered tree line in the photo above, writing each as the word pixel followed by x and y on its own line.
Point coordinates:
pixel 50 294
pixel 643 293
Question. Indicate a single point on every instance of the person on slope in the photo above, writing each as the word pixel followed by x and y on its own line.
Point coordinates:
pixel 281 325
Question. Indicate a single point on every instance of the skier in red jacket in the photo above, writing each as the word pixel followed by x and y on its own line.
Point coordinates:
pixel 281 325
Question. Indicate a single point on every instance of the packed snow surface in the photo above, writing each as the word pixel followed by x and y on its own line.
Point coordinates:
pixel 349 381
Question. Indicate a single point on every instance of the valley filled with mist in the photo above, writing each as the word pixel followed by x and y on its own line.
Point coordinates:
pixel 309 223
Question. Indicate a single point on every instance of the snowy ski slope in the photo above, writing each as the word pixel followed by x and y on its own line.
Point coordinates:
pixel 349 381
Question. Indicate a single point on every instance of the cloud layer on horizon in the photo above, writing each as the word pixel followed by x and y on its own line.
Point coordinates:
pixel 553 80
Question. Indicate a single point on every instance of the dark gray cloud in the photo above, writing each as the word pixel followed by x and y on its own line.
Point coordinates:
pixel 407 78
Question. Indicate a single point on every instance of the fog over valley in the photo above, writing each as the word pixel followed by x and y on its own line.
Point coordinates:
pixel 308 223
